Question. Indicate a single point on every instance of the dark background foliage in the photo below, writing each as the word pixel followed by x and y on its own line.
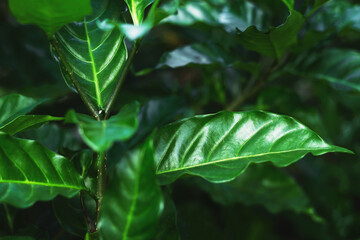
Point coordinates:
pixel 201 67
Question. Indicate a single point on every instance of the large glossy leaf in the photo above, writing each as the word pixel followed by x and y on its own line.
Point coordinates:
pixel 50 15
pixel 15 105
pixel 219 147
pixel 29 173
pixel 341 67
pixel 137 9
pixel 100 135
pixel 95 57
pixel 133 201
pixel 26 122
pixel 261 184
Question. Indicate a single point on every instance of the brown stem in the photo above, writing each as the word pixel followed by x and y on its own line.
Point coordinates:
pixel 250 90
pixel 101 182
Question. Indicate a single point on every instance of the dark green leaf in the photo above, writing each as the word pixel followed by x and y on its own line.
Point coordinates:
pixel 50 15
pixel 219 147
pixel 15 105
pixel 95 57
pixel 23 123
pixel 261 184
pixel 277 41
pixel 100 135
pixel 133 201
pixel 29 173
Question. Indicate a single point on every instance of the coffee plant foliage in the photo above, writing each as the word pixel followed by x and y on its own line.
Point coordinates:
pixel 179 119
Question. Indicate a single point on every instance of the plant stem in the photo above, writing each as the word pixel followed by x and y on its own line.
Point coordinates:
pixel 101 182
pixel 122 76
pixel 75 83
pixel 250 90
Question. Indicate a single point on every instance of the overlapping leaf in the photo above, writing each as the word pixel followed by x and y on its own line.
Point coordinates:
pixel 95 57
pixel 133 202
pixel 13 109
pixel 29 173
pixel 50 15
pixel 219 147
pixel 100 135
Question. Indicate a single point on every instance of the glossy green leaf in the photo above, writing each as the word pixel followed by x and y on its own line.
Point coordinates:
pixel 100 135
pixel 95 57
pixel 229 15
pixel 15 105
pixel 137 9
pixel 219 147
pixel 199 54
pixel 277 41
pixel 92 236
pixel 50 15
pixel 26 122
pixel 29 173
pixel 263 185
pixel 133 200
pixel 341 67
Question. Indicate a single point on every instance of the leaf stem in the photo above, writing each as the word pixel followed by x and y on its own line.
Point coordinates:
pixel 121 78
pixel 101 182
pixel 63 63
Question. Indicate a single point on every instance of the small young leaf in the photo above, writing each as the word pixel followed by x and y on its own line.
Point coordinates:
pixel 100 135
pixel 219 147
pixel 133 201
pixel 50 15
pixel 29 173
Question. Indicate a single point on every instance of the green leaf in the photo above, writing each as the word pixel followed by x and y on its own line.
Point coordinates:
pixel 277 41
pixel 26 122
pixel 92 236
pixel 29 173
pixel 15 105
pixel 95 57
pixel 341 67
pixel 50 15
pixel 137 9
pixel 260 184
pixel 219 147
pixel 100 135
pixel 133 201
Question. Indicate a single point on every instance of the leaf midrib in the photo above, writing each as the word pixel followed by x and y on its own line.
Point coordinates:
pixel 242 157
pixel 93 67
pixel 41 184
